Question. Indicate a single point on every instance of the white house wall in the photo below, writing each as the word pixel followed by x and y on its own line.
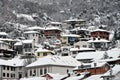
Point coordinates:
pixel 61 70
pixel 50 69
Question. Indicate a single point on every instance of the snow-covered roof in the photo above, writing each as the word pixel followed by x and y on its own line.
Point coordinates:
pixel 98 40
pixel 15 62
pixel 115 70
pixel 70 35
pixel 34 78
pixel 36 28
pixel 3 33
pixel 94 77
pixel 98 55
pixel 52 28
pixel 90 65
pixel 55 60
pixel 18 43
pixel 30 32
pixel 76 20
pixel 27 41
pixel 42 50
pixel 80 49
pixel 78 28
pixel 6 39
pixel 101 30
pixel 75 77
pixel 109 60
pixel 1 42
pixel 55 23
pixel 56 76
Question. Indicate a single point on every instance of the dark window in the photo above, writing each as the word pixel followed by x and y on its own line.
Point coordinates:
pixel 3 74
pixel 7 74
pixel 12 75
pixel 33 34
pixel 38 54
pixel 30 72
pixel 12 69
pixel 41 72
pixel 20 75
pixel 45 70
pixel 3 67
pixel 7 67
pixel 74 52
pixel 44 54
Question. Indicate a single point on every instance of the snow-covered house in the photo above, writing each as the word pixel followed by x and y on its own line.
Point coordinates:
pixel 64 51
pixel 72 23
pixel 83 44
pixel 11 69
pixel 100 33
pixel 28 46
pixel 18 47
pixel 112 74
pixel 93 68
pixel 110 56
pixel 5 50
pixel 52 32
pixel 69 39
pixel 32 35
pixel 84 33
pixel 6 45
pixel 55 24
pixel 99 44
pixel 40 52
pixel 25 47
pixel 52 64
pixel 39 29
pixel 3 35
pixel 74 51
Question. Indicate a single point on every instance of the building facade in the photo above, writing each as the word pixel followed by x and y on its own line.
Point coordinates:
pixel 100 33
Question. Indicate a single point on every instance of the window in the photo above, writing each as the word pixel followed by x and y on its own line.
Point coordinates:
pixel 41 72
pixel 7 67
pixel 7 74
pixel 44 54
pixel 3 74
pixel 12 75
pixel 38 54
pixel 74 52
pixel 33 34
pixel 45 70
pixel 4 67
pixel 12 69
pixel 30 72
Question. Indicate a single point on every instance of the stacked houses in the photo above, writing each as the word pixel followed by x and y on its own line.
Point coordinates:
pixel 59 52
